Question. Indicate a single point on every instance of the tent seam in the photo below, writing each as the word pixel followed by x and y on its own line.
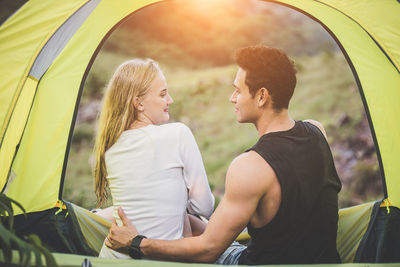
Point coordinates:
pixel 381 46
pixel 18 92
pixel 26 75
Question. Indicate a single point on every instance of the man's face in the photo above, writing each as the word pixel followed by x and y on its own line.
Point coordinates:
pixel 245 105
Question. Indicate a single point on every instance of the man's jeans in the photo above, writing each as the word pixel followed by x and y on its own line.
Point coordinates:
pixel 231 255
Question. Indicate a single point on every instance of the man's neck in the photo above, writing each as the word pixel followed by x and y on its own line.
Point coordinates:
pixel 271 121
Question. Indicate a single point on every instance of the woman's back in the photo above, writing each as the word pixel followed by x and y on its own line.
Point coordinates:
pixel 155 173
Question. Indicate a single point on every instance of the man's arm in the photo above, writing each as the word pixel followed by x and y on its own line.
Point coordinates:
pixel 247 180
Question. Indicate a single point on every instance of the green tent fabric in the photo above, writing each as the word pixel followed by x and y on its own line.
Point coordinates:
pixel 34 137
pixel 47 49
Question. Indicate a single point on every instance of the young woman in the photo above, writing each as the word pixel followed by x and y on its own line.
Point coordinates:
pixel 154 171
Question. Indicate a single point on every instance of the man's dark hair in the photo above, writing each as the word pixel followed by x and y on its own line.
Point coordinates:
pixel 270 68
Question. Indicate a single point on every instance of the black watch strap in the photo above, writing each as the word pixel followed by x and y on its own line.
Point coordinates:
pixel 134 248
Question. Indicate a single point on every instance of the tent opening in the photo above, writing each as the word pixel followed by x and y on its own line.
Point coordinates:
pixel 194 43
pixel 199 68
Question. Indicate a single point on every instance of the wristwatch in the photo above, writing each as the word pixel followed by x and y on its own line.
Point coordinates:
pixel 134 249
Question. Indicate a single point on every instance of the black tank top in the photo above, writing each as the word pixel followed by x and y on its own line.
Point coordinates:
pixel 304 229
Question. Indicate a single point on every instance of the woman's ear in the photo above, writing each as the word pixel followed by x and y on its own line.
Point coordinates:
pixel 138 105
pixel 262 96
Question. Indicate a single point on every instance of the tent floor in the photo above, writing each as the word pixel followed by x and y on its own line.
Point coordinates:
pixel 76 260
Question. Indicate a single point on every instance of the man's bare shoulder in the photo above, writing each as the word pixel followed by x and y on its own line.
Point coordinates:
pixel 250 170
pixel 318 124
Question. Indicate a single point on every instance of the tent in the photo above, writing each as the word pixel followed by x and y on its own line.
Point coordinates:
pixel 47 48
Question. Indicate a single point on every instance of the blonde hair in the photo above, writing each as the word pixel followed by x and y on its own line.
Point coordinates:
pixel 131 79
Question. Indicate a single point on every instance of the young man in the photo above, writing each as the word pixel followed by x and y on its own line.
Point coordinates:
pixel 284 189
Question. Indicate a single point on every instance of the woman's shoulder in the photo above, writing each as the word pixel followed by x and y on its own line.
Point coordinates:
pixel 173 133
pixel 173 127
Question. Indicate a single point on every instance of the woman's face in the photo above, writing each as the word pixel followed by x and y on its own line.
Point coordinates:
pixel 155 103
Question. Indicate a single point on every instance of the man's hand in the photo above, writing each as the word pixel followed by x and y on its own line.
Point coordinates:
pixel 120 237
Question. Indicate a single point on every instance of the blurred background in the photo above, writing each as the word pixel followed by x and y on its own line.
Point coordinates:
pixel 194 42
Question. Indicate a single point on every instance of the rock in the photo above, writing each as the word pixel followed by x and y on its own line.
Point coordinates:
pixel 343 119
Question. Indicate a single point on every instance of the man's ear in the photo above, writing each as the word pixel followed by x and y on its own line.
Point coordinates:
pixel 262 96
pixel 138 105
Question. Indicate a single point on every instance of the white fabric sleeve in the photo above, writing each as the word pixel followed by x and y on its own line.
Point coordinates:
pixel 201 200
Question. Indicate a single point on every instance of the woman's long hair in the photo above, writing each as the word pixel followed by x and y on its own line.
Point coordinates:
pixel 131 79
